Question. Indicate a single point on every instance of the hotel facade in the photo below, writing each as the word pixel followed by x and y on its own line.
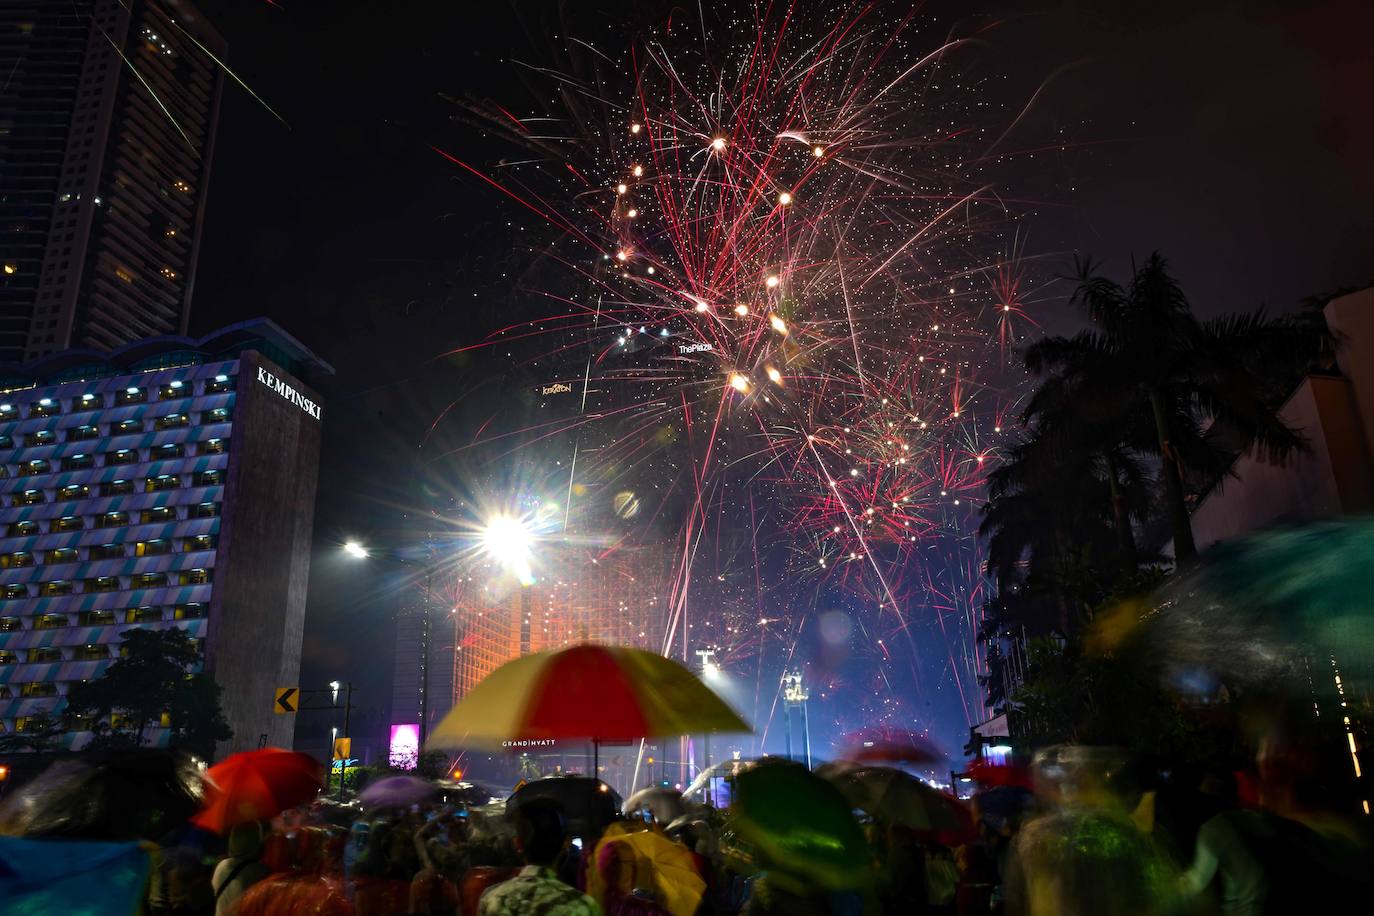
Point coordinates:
pixel 167 483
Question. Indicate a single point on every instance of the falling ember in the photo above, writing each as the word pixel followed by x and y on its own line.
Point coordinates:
pixel 718 144
pixel 772 281
pixel 741 310
pixel 703 307
pixel 818 151
pixel 638 171
pixel 775 377
pixel 784 198
pixel 621 188
pixel 739 382
pixel 635 128
pixel 778 324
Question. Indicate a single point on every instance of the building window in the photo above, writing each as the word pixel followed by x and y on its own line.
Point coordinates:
pixel 219 383
pixel 6 441
pixel 122 456
pixel 82 433
pixel 90 653
pixel 159 514
pixel 172 421
pixel 193 611
pixel 10 624
pixel 218 415
pixel 22 529
pixel 45 654
pixel 8 412
pixel 49 622
pixel 205 510
pixel 78 462
pixel 62 555
pixel 170 450
pixel 149 580
pixel 131 395
pixel 112 520
pixel 173 389
pixel 10 592
pixel 89 402
pixel 116 487
pixel 56 587
pixel 154 548
pixel 67 523
pixel 95 618
pixel 102 584
pixel 202 542
pixel 45 407
pixel 213 446
pixel 107 552
pixel 34 467
pixel 35 689
pixel 161 482
pixel 15 560
pixel 195 577
pixel 209 478
pixel 7 657
pixel 143 615
pixel 28 498
pixel 74 491
pixel 40 437
pixel 129 426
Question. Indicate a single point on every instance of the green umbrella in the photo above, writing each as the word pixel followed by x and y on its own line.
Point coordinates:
pixel 800 824
pixel 1264 606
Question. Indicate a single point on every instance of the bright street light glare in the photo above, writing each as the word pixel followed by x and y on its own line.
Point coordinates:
pixel 508 540
pixel 355 550
pixel 710 670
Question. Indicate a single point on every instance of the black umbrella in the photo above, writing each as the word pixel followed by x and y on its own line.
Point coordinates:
pixel 132 795
pixel 588 804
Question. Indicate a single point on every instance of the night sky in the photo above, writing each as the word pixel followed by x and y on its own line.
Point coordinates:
pixel 1234 136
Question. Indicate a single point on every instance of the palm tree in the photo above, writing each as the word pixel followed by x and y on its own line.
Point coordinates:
pixel 1174 386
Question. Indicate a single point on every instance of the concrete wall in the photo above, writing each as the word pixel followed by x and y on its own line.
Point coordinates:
pixel 257 614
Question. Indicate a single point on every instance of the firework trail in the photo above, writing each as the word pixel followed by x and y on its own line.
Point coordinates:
pixel 785 316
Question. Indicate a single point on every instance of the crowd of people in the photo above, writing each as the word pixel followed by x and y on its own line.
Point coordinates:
pixel 1083 831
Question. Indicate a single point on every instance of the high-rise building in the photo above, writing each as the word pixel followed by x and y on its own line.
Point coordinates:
pixel 166 483
pixel 107 123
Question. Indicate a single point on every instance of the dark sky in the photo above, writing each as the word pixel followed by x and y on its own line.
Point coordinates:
pixel 1234 136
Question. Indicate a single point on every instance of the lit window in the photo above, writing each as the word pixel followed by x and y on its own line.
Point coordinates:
pixel 62 555
pixel 45 654
pixel 35 689
pixel 129 426
pixel 212 447
pixel 205 510
pixel 149 580
pixel 112 520
pixel 15 560
pixel 170 450
pixel 74 491
pixel 123 274
pixel 143 615
pixel 22 529
pixel 116 488
pixel 181 186
pixel 7 657
pixel 10 624
pixel 27 498
pixel 56 587
pixel 39 437
pixel 13 591
pixel 161 482
pixel 122 456
pixel 95 618
pixel 168 273
pixel 131 395
pixel 34 467
pixel 159 514
pixel 102 584
pixel 201 542
pixel 81 433
pixel 209 478
pixel 90 653
pixel 152 548
pixel 195 576
pixel 192 611
pixel 172 421
pixel 78 462
pixel 218 384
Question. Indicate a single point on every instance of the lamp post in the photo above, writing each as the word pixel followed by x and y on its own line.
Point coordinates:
pixel 359 552
pixel 710 671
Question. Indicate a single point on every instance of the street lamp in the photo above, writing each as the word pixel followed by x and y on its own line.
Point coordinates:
pixel 360 552
pixel 507 540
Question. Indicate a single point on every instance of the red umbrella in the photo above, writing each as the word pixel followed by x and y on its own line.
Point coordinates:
pixel 256 785
pixel 1005 774
pixel 882 745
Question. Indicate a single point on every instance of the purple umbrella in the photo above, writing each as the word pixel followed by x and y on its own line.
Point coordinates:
pixel 398 792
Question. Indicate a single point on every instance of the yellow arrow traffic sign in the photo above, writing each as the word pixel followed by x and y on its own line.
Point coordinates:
pixel 287 701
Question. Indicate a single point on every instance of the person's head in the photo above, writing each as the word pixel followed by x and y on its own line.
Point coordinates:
pixel 540 831
pixel 245 841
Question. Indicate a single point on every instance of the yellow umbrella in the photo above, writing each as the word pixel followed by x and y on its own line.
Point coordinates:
pixel 646 861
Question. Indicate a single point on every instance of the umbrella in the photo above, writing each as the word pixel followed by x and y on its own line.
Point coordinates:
pixel 800 824
pixel 874 745
pixel 1001 774
pixel 1255 609
pixel 398 792
pixel 664 804
pixel 73 876
pixel 647 862
pixel 603 693
pixel 727 770
pixel 588 804
pixel 255 785
pixel 123 796
pixel 899 798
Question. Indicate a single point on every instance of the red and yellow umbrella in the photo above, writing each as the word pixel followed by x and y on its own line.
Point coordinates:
pixel 605 693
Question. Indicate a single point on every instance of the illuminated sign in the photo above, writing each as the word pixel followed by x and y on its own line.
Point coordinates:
pixel 403 751
pixel 291 394
pixel 557 388
pixel 695 348
pixel 529 742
